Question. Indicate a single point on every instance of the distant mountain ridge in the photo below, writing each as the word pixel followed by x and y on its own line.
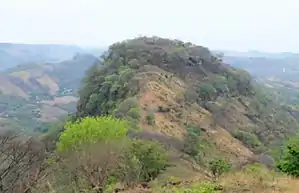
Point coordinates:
pixel 259 54
pixel 12 54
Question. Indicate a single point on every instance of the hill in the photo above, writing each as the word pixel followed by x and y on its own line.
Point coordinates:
pixel 181 77
pixel 34 93
pixel 160 115
pixel 12 54
pixel 170 90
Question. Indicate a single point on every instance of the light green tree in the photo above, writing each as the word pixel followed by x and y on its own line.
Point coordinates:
pixel 90 130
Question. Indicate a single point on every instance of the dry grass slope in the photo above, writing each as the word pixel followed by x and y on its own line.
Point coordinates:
pixel 159 91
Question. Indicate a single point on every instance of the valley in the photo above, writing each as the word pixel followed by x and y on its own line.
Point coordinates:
pixel 39 92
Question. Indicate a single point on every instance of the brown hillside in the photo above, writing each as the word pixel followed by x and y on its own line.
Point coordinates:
pixel 158 91
pixel 21 83
pixel 45 78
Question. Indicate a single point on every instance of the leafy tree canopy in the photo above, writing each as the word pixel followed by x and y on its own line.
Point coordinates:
pixel 290 159
pixel 91 130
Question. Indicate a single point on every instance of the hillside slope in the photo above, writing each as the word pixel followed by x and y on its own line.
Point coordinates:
pixel 179 86
pixel 34 93
pixel 31 79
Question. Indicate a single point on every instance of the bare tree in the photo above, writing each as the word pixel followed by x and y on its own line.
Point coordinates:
pixel 93 164
pixel 20 162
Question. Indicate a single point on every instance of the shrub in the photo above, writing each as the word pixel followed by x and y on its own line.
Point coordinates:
pixel 150 118
pixel 130 172
pixel 206 91
pixel 163 109
pixel 290 158
pixel 192 142
pixel 220 84
pixel 91 130
pixel 152 157
pixel 129 107
pixel 219 166
pixel 249 139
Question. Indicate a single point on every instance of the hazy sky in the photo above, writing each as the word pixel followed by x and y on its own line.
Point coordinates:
pixel 266 25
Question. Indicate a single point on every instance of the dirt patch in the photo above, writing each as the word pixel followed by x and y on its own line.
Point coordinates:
pixel 50 113
pixel 48 82
pixel 60 100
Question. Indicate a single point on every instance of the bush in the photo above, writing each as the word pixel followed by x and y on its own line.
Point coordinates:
pixel 220 84
pixel 128 108
pixel 152 157
pixel 163 109
pixel 192 142
pixel 290 159
pixel 130 172
pixel 249 139
pixel 150 118
pixel 91 130
pixel 207 92
pixel 219 166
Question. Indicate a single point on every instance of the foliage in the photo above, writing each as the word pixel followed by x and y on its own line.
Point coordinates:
pixel 219 166
pixel 125 108
pixel 152 156
pixel 220 84
pixel 104 89
pixel 91 130
pixel 249 139
pixel 192 141
pixel 150 118
pixel 130 171
pixel 289 162
pixel 129 110
pixel 206 91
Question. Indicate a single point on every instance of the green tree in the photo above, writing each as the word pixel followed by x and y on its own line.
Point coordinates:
pixel 91 130
pixel 206 91
pixel 220 84
pixel 219 166
pixel 152 157
pixel 192 142
pixel 290 158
